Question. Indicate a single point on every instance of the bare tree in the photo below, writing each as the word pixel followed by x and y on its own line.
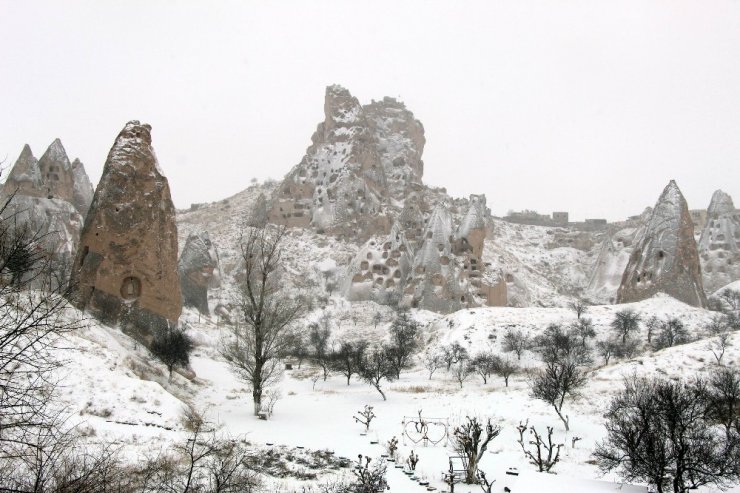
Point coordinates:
pixel 506 368
pixel 732 298
pixel 516 341
pixel 606 349
pixel 470 439
pixel 718 345
pixel 404 332
pixel 625 323
pixel 453 353
pixel 485 364
pixel 432 361
pixel 33 324
pixel 347 360
pixel 672 333
pixel 318 341
pixel 661 432
pixel 255 347
pixel 462 370
pixel 584 329
pixel 544 461
pixel 376 367
pixel 579 307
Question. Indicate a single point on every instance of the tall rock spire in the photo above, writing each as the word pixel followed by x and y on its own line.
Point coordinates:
pixel 665 258
pixel 719 245
pixel 126 266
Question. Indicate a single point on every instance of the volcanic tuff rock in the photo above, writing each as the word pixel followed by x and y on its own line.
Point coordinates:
pixel 614 254
pixel 665 258
pixel 361 181
pixel 361 157
pixel 49 195
pixel 126 266
pixel 198 269
pixel 719 245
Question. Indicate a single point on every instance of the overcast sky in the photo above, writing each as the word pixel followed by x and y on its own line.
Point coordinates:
pixel 585 106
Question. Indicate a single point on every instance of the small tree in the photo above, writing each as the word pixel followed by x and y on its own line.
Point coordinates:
pixel 731 298
pixel 368 479
pixel 516 341
pixel 462 370
pixel 506 368
pixel 579 307
pixel 583 329
pixel 672 333
pixel 348 358
pixel 404 332
pixel 561 377
pixel 470 439
pixel 544 461
pixel 718 345
pixel 625 323
pixel 172 347
pixel 652 324
pixel 376 367
pixel 365 417
pixel 432 361
pixel 453 353
pixel 318 340
pixel 606 349
pixel 723 398
pixel 485 364
pixel 377 318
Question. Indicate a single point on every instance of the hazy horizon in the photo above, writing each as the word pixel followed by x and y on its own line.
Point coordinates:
pixel 581 106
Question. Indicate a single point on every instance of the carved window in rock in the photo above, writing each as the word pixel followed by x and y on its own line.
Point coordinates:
pixel 131 288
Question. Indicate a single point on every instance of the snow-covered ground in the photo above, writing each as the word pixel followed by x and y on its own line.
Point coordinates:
pixel 118 393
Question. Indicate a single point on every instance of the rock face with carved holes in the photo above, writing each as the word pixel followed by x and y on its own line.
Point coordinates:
pixel 361 181
pixel 665 258
pixel 719 245
pixel 361 157
pixel 198 268
pixel 125 270
pixel 52 196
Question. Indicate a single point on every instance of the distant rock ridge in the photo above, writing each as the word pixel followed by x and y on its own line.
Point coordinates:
pixel 125 270
pixel 665 258
pixel 719 244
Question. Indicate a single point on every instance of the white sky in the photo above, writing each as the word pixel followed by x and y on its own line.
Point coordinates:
pixel 585 106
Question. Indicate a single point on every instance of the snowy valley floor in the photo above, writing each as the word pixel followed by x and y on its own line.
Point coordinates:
pixel 119 393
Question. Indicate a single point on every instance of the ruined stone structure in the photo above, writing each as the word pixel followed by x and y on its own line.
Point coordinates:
pixel 665 258
pixel 51 196
pixel 719 245
pixel 198 269
pixel 126 267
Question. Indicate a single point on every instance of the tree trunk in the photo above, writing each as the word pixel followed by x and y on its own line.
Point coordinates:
pixel 471 470
pixel 564 419
pixel 377 386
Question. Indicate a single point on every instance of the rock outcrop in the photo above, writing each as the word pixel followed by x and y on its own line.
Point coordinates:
pixel 126 266
pixel 361 157
pixel 665 258
pixel 719 244
pixel 198 269
pixel 361 181
pixel 49 196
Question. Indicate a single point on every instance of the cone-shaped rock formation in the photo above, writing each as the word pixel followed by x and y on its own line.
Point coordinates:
pixel 665 258
pixel 126 266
